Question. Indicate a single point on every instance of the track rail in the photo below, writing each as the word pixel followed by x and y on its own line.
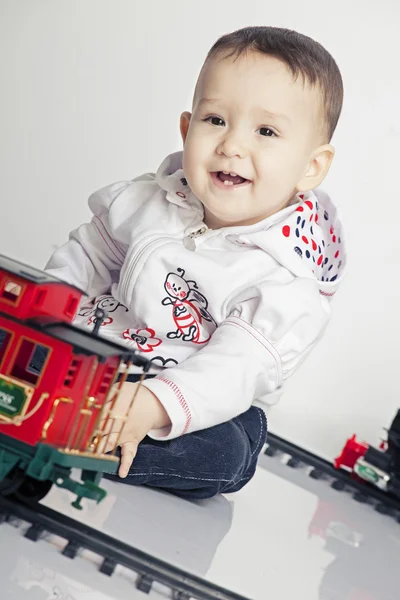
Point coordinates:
pixel 184 585
pixel 340 479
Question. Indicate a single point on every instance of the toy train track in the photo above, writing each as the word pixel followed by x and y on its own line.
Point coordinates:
pixel 183 585
pixel 341 480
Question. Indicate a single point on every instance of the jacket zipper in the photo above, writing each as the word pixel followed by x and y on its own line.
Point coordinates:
pixel 189 240
pixel 133 264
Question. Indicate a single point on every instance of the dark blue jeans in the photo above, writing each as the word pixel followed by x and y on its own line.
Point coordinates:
pixel 204 463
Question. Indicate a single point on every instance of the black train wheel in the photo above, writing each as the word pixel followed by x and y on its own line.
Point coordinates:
pixel 10 484
pixel 32 489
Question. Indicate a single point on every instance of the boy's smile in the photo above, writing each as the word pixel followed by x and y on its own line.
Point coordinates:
pixel 253 140
pixel 226 180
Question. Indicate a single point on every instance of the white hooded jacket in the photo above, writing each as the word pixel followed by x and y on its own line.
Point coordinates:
pixel 231 313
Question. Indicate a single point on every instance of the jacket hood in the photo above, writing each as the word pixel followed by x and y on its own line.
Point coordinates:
pixel 305 237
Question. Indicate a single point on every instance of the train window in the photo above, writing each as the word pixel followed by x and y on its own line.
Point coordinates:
pixel 30 361
pixel 11 291
pixel 71 307
pixel 40 297
pixel 106 381
pixel 72 372
pixel 4 339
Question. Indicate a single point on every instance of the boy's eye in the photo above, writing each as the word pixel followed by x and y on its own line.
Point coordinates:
pixel 267 132
pixel 215 121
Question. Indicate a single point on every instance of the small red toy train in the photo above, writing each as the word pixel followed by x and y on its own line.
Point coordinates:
pixel 54 381
pixel 379 466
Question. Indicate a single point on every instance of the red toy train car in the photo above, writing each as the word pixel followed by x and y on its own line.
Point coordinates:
pixel 379 466
pixel 54 381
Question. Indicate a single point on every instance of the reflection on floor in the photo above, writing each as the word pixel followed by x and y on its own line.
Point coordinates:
pixel 364 544
pixel 283 536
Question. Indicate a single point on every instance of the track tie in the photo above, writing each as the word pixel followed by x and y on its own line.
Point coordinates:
pixel 108 566
pixel 144 583
pixel 71 550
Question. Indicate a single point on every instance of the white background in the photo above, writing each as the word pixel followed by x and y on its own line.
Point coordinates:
pixel 91 93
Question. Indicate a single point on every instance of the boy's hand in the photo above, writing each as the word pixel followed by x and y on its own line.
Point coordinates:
pixel 146 413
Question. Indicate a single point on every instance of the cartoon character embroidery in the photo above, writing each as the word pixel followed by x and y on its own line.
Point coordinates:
pixel 189 309
pixel 164 362
pixel 106 303
pixel 144 338
pixel 106 321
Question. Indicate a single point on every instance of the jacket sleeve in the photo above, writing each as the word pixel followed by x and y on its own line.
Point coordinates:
pixel 95 251
pixel 268 333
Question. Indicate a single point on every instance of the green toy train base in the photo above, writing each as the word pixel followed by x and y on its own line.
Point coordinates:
pixel 26 469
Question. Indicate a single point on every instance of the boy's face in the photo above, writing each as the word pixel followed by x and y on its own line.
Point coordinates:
pixel 251 118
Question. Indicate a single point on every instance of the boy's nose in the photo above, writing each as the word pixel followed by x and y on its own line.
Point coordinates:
pixel 232 145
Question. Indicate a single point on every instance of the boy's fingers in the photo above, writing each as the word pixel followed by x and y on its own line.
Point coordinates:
pixel 105 417
pixel 111 442
pixel 107 421
pixel 108 442
pixel 102 425
pixel 128 453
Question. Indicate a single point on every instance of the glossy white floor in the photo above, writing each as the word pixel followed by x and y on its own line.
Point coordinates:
pixel 284 536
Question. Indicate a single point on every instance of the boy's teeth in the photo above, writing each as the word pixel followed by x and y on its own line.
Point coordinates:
pixel 228 182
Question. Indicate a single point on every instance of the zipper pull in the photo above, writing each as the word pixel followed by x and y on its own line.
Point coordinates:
pixel 189 240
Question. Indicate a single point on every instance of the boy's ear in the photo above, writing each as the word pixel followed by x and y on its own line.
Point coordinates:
pixel 317 169
pixel 184 124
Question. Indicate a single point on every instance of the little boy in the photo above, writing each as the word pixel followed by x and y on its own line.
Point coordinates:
pixel 220 267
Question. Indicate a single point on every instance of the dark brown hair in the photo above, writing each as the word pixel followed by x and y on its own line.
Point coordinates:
pixel 303 55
